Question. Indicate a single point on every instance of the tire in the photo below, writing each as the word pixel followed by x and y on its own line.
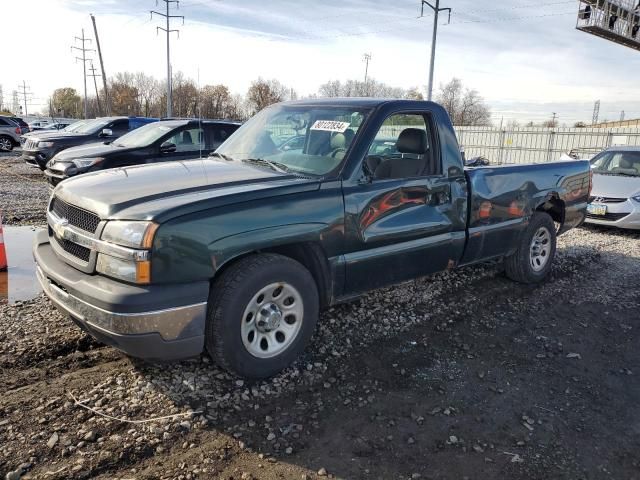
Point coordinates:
pixel 532 261
pixel 6 144
pixel 236 309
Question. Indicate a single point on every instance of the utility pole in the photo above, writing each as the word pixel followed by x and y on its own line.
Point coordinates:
pixel 24 94
pixel 168 31
pixel 95 84
pixel 622 116
pixel 367 59
pixel 553 119
pixel 107 103
pixel 84 60
pixel 596 112
pixel 436 10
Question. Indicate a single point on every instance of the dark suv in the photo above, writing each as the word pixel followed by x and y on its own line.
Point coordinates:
pixel 39 148
pixel 158 142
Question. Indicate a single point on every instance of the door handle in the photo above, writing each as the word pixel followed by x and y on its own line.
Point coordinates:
pixel 440 195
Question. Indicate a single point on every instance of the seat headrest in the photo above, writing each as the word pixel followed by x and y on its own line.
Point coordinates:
pixel 338 141
pixel 413 140
pixel 625 163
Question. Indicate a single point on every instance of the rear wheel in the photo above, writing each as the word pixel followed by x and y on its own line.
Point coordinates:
pixel 262 312
pixel 6 144
pixel 532 261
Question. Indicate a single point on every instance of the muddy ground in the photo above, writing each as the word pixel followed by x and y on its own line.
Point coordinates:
pixel 462 375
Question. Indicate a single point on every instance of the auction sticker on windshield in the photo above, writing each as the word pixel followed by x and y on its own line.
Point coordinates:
pixel 330 126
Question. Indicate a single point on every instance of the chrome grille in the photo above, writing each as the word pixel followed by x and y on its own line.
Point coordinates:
pixel 74 249
pixel 77 217
pixel 30 144
pixel 607 199
pixel 608 217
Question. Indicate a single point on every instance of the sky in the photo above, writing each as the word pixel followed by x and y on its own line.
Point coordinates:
pixel 525 58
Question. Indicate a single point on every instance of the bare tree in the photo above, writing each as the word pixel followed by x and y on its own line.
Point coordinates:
pixel 263 93
pixel 465 106
pixel 148 88
pixel 357 88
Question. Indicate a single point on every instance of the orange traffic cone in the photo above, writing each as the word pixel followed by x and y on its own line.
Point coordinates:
pixel 3 251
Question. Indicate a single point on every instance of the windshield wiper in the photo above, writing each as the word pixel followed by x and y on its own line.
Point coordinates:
pixel 277 166
pixel 222 156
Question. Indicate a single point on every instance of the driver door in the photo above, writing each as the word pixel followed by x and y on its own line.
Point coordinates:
pixel 401 223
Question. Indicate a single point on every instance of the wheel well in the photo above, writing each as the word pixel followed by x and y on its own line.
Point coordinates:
pixel 554 207
pixel 309 254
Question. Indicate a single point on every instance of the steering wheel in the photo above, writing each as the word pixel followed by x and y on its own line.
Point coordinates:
pixel 338 150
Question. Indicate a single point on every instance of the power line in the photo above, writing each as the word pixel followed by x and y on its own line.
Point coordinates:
pixel 168 31
pixel 84 60
pixel 436 11
pixel 367 59
pixel 95 84
pixel 24 94
pixel 104 75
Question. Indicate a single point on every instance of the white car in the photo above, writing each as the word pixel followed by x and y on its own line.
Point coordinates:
pixel 615 197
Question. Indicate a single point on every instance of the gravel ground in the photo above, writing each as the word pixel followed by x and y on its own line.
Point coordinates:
pixel 23 191
pixel 461 375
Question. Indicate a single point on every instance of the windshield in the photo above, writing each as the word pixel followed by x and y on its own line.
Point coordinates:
pixel 617 163
pixel 74 126
pixel 143 136
pixel 309 140
pixel 92 126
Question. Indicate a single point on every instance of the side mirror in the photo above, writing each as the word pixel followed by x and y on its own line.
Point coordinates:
pixel 167 147
pixel 106 132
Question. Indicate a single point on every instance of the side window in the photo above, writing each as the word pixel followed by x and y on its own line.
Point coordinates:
pixel 119 127
pixel 218 136
pixel 188 140
pixel 402 148
pixel 3 122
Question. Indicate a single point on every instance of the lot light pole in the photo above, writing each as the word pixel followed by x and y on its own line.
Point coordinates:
pixel 168 31
pixel 436 10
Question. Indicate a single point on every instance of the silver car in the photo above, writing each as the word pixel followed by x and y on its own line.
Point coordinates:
pixel 9 134
pixel 615 197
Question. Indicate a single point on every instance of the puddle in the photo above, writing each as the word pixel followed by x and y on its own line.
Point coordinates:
pixel 19 282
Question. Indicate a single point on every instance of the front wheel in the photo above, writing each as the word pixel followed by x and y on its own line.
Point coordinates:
pixel 532 261
pixel 262 311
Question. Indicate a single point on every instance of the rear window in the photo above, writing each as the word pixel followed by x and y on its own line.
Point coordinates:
pixel 19 121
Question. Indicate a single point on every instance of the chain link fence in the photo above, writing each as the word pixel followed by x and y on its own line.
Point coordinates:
pixel 535 145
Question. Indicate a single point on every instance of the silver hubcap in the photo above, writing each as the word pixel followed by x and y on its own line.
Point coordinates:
pixel 540 249
pixel 272 320
pixel 5 144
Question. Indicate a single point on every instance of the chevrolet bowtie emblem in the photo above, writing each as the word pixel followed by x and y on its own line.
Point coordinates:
pixel 60 226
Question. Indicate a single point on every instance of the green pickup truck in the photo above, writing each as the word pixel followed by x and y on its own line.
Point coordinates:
pixel 308 204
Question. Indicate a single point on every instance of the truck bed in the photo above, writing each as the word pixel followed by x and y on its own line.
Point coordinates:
pixel 502 197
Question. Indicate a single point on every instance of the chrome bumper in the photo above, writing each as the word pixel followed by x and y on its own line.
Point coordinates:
pixel 155 322
pixel 169 323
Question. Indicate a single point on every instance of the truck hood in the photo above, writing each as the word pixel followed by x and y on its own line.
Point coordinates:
pixel 615 186
pixel 166 190
pixel 88 150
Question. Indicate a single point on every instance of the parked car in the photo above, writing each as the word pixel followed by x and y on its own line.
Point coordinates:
pixel 236 254
pixel 39 124
pixel 156 142
pixel 24 127
pixel 53 126
pixel 41 147
pixel 9 134
pixel 615 200
pixel 72 127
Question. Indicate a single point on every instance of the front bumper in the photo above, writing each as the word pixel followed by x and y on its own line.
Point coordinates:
pixel 36 157
pixel 621 215
pixel 155 322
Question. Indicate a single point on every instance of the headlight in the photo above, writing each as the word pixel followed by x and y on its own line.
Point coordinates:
pixel 130 234
pixel 86 162
pixel 636 198
pixel 127 270
pixel 45 144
